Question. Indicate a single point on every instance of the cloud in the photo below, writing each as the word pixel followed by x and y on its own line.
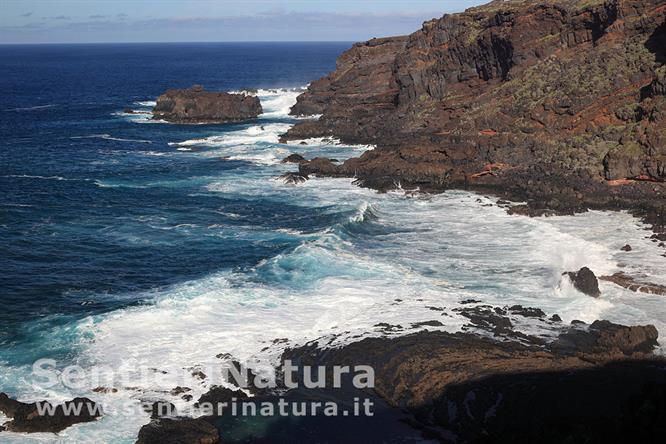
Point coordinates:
pixel 27 14
pixel 97 16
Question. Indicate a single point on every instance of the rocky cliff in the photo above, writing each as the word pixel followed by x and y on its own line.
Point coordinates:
pixel 561 103
pixel 195 105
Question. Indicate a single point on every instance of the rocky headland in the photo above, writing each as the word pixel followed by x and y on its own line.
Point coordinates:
pixel 560 104
pixel 196 105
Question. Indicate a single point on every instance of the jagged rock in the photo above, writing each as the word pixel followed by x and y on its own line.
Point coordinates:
pixel 195 105
pixel 218 395
pixel 606 338
pixel 585 281
pixel 318 166
pixel 522 84
pixel 27 418
pixel 178 431
pixel 293 178
pixel 626 248
pixel 293 158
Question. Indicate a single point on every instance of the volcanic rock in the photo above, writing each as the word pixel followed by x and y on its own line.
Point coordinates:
pixel 195 105
pixel 559 104
pixel 585 281
pixel 318 166
pixel 26 417
pixel 630 283
pixel 178 431
pixel 293 158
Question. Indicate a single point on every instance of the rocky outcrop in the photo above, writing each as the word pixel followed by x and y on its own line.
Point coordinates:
pixel 631 283
pixel 585 281
pixel 195 105
pixel 293 158
pixel 557 103
pixel 178 431
pixel 42 417
pixel 468 388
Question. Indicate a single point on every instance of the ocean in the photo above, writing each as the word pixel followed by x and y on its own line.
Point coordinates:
pixel 127 241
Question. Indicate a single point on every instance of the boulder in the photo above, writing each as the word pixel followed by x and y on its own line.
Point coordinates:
pixel 195 105
pixel 585 281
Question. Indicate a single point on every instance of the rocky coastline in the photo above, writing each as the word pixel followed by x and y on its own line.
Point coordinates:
pixel 488 383
pixel 557 104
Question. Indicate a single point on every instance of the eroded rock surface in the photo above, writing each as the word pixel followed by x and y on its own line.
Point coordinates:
pixel 196 105
pixel 557 103
pixel 42 417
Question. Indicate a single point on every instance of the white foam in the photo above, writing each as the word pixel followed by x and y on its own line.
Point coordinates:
pixel 146 103
pixel 277 103
pixel 30 176
pixel 31 108
pixel 110 137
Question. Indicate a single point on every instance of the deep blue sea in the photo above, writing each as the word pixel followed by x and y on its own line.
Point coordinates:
pixel 130 241
pixel 70 245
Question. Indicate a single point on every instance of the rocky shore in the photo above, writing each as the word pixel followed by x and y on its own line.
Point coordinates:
pixel 196 105
pixel 488 383
pixel 559 104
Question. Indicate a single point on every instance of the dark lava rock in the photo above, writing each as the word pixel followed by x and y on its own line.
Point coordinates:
pixel 528 312
pixel 626 248
pixel 218 395
pixel 604 337
pixel 128 111
pixel 585 281
pixel 318 166
pixel 293 178
pixel 160 409
pixel 26 418
pixel 427 324
pixel 195 105
pixel 178 431
pixel 293 158
pixel 556 318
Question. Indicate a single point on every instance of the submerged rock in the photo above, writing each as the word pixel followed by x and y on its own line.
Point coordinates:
pixel 195 105
pixel 585 281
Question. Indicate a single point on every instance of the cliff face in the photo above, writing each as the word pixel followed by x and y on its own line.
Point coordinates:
pixel 568 93
pixel 195 105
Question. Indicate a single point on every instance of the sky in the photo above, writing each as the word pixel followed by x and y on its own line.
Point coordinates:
pixel 95 21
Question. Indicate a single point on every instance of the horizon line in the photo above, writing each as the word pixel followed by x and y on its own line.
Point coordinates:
pixel 178 42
